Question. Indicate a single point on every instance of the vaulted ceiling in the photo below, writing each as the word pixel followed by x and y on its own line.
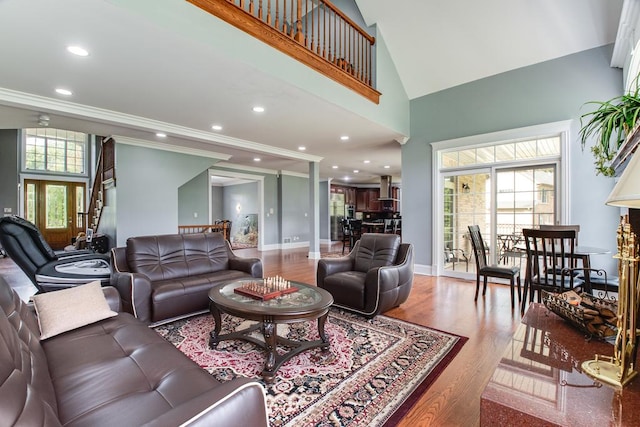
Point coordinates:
pixel 140 79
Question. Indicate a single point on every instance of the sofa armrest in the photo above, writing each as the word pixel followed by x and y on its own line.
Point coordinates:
pixel 135 294
pixel 238 402
pixel 329 266
pixel 113 298
pixel 252 266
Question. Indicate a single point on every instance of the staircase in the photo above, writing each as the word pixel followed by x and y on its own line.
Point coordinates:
pixel 105 175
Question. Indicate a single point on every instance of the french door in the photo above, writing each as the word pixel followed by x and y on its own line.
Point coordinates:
pixel 502 201
pixel 56 208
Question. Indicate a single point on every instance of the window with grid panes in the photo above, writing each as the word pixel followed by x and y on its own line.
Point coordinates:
pixel 55 150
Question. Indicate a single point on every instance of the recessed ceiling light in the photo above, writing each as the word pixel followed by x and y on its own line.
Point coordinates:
pixel 161 135
pixel 334 167
pixel 77 50
pixel 258 109
pixel 356 171
pixel 302 148
pixel 387 167
pixel 344 138
pixel 65 92
pixel 366 161
pixel 256 159
pixel 216 127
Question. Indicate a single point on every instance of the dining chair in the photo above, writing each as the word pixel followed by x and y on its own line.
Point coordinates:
pixel 453 255
pixel 485 270
pixel 551 262
pixel 575 227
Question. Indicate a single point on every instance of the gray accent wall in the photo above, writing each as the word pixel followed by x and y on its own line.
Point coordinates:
pixel 148 182
pixel 193 201
pixel 542 93
pixel 324 210
pixel 9 171
pixel 294 209
pixel 216 204
pixel 238 201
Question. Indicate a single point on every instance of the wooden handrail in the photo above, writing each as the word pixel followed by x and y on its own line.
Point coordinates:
pixel 366 35
pixel 314 32
pixel 223 227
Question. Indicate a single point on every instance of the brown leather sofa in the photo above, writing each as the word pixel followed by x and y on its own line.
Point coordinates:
pixel 161 278
pixel 115 372
pixel 376 276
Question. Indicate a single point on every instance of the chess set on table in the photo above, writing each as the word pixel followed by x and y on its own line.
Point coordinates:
pixel 266 289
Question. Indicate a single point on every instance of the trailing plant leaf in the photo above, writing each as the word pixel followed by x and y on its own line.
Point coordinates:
pixel 609 124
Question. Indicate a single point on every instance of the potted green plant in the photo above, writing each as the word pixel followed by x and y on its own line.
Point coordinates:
pixel 610 124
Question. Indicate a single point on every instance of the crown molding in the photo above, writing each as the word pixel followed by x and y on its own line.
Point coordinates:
pixel 168 147
pixel 245 168
pixel 625 38
pixel 297 174
pixel 30 101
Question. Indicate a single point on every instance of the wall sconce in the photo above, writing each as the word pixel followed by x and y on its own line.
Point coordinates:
pixel 465 187
pixel 238 208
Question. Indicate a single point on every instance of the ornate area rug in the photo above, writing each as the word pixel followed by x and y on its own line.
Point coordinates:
pixel 374 371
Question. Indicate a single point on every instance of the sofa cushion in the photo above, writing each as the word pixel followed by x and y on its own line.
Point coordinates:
pixel 178 255
pixel 27 396
pixel 376 250
pixel 120 372
pixel 67 309
pixel 172 298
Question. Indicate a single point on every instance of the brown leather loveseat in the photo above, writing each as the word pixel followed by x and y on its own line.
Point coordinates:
pixel 165 277
pixel 115 372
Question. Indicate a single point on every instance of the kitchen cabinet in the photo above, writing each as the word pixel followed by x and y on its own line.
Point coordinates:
pixel 349 194
pixel 367 200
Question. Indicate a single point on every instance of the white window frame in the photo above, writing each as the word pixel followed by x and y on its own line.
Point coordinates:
pixel 561 129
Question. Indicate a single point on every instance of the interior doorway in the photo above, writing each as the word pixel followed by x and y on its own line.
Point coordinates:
pixel 56 208
pixel 247 229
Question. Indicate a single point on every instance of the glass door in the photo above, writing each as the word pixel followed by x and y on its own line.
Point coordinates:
pixel 466 201
pixel 501 201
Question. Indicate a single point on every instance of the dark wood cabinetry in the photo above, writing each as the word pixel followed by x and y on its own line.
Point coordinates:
pixel 349 193
pixel 367 200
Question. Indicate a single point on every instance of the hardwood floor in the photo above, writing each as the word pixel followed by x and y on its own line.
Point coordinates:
pixel 441 303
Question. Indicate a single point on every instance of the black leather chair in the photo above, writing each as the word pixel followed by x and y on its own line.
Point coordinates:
pixel 376 276
pixel 49 270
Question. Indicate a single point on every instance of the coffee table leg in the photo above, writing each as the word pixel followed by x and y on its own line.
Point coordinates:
pixel 323 336
pixel 213 340
pixel 269 331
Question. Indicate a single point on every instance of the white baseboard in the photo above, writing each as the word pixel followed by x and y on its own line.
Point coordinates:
pixel 424 270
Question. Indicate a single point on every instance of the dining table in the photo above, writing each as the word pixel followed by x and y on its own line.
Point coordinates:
pixel 580 252
pixel 372 227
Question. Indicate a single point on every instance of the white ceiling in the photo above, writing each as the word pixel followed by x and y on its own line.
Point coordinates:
pixel 141 78
pixel 438 44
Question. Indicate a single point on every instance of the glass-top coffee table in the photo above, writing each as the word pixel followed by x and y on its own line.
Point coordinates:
pixel 307 303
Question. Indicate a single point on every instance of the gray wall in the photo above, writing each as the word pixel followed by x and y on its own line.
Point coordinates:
pixel 243 195
pixel 542 93
pixel 270 181
pixel 294 209
pixel 193 201
pixel 148 182
pixel 216 204
pixel 9 145
pixel 324 210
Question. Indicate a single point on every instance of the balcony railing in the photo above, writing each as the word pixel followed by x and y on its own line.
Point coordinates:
pixel 314 32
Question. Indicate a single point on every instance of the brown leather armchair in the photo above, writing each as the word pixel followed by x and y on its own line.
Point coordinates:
pixel 376 276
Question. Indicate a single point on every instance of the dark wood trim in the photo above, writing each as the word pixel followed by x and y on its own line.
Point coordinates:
pixel 242 20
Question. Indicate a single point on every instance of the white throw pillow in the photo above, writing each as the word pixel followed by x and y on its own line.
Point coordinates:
pixel 67 309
